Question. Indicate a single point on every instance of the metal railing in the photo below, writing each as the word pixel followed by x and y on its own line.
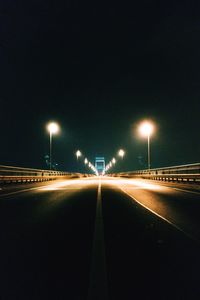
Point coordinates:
pixel 10 174
pixel 182 173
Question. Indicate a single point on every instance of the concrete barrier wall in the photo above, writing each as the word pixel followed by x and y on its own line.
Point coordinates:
pixel 182 173
pixel 10 174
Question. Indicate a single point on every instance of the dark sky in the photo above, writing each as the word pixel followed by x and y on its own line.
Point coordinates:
pixel 98 68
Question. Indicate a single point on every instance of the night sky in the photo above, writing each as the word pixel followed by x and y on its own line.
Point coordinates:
pixel 98 68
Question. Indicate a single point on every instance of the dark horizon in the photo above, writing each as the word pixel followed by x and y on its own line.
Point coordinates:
pixel 98 70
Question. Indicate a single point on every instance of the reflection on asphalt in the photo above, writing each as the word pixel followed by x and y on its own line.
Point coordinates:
pixel 109 238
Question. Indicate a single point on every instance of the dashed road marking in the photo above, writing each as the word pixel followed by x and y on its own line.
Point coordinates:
pixel 98 276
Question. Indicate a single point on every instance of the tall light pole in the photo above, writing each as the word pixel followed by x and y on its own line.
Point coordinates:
pixel 114 161
pixel 78 154
pixel 121 153
pixel 146 129
pixel 53 128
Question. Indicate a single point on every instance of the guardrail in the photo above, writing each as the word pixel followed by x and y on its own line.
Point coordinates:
pixel 182 173
pixel 10 174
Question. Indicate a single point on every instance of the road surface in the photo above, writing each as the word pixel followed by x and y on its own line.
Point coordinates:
pixel 100 238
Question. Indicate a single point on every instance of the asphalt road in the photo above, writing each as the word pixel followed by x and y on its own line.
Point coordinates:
pixel 100 238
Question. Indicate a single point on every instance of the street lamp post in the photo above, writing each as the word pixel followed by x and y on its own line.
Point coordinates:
pixel 53 128
pixel 146 129
pixel 149 152
pixel 78 154
pixel 114 161
pixel 121 153
pixel 50 149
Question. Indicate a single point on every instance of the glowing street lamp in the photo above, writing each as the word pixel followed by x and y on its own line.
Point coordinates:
pixel 114 161
pixel 78 154
pixel 85 161
pixel 146 129
pixel 53 128
pixel 121 153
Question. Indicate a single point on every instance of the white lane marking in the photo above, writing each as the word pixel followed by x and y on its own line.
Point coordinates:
pixel 187 191
pixel 98 277
pixel 49 187
pixel 160 184
pixel 21 191
pixel 39 188
pixel 161 217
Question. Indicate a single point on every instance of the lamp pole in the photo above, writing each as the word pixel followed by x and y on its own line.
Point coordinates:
pixel 146 129
pixel 149 152
pixel 121 153
pixel 53 128
pixel 78 154
pixel 50 149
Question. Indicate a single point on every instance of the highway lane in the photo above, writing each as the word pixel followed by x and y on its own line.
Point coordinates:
pixel 46 241
pixel 106 238
pixel 147 257
pixel 178 205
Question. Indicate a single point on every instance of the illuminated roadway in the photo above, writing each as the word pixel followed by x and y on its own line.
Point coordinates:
pixel 100 238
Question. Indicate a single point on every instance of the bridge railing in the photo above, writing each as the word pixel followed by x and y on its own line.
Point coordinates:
pixel 182 173
pixel 10 174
